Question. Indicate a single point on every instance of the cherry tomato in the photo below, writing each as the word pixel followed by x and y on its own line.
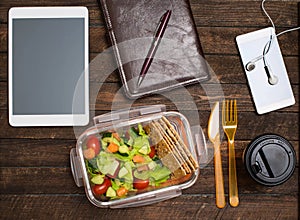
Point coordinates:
pixel 140 184
pixel 100 189
pixel 93 143
pixel 152 152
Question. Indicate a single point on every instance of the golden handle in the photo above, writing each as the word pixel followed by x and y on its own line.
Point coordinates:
pixel 233 189
pixel 220 196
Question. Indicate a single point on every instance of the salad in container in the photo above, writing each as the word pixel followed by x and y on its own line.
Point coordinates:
pixel 136 157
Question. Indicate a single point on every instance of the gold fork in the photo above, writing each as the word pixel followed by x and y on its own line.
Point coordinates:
pixel 229 122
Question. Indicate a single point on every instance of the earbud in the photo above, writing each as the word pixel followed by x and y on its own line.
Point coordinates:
pixel 272 79
pixel 250 66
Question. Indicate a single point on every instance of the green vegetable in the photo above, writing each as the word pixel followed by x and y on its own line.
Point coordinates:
pixel 123 171
pixel 141 141
pixel 130 141
pixel 128 177
pixel 111 139
pixel 107 164
pixel 144 175
pixel 103 144
pixel 144 150
pixel 92 168
pixel 98 179
pixel 115 185
pixel 111 192
pixel 132 133
pixel 122 142
pixel 152 165
pixel 106 134
pixel 142 131
pixel 123 149
pixel 160 173
pixel 119 167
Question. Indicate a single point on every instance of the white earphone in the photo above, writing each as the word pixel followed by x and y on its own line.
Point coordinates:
pixel 272 79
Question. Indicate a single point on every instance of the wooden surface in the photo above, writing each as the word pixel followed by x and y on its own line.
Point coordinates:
pixel 36 181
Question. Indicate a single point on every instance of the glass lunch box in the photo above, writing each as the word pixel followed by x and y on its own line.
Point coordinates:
pixel 147 166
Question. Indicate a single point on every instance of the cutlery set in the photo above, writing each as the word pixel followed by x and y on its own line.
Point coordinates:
pixel 229 124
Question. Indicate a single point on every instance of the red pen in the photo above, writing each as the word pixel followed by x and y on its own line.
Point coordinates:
pixel 155 43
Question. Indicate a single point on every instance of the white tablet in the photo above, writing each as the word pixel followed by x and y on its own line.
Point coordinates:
pixel 48 66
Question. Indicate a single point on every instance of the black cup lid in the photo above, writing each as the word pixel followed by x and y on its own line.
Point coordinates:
pixel 270 159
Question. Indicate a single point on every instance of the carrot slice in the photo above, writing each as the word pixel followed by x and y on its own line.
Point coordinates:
pixel 112 147
pixel 122 191
pixel 138 159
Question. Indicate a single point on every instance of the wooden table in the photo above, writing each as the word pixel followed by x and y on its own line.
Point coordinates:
pixel 36 181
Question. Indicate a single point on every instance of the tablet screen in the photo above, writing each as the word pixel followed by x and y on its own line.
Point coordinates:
pixel 48 63
pixel 48 60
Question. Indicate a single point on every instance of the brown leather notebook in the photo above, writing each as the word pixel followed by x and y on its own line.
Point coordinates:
pixel 179 59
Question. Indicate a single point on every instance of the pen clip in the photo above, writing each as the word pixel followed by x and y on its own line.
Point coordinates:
pixel 157 27
pixel 160 20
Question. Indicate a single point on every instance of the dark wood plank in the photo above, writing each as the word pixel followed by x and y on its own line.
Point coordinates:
pixel 243 13
pixel 206 13
pixel 183 207
pixel 250 126
pixel 221 40
pixel 38 180
pixel 35 153
pixel 3 67
pixel 231 65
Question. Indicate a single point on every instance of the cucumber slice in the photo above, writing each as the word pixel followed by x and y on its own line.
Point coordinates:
pixel 123 171
pixel 111 192
pixel 104 144
pixel 123 149
pixel 144 150
pixel 98 179
pixel 107 139
pixel 111 139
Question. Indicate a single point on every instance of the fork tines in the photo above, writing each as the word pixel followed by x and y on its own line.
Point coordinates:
pixel 229 111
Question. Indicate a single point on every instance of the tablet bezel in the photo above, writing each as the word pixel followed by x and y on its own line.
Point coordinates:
pixel 49 119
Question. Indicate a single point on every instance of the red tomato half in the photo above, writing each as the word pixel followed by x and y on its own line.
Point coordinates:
pixel 152 152
pixel 100 189
pixel 93 143
pixel 140 184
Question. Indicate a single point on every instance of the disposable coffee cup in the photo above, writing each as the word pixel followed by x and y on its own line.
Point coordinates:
pixel 270 159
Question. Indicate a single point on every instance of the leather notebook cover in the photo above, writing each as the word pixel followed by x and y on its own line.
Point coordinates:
pixel 179 59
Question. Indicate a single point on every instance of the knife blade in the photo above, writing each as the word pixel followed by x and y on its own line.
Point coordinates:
pixel 214 137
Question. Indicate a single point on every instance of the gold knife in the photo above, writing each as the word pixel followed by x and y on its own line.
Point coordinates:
pixel 214 137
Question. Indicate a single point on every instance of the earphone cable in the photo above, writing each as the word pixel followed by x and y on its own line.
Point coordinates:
pixel 270 19
pixel 268 44
pixel 266 50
